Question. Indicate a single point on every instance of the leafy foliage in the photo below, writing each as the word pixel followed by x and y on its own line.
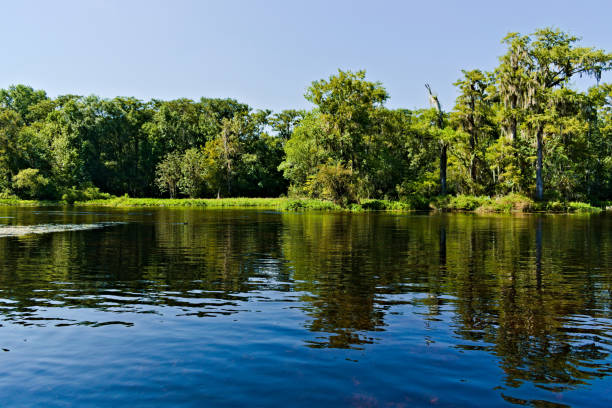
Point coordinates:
pixel 522 131
pixel 31 184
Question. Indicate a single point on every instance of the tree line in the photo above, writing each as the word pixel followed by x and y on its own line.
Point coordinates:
pixel 522 128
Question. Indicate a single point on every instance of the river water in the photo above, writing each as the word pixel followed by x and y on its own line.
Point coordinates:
pixel 182 307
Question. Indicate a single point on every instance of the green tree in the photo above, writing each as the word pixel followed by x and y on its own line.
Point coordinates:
pixel 474 115
pixel 283 123
pixel 10 126
pixel 347 104
pixel 215 168
pixel 340 134
pixel 30 184
pixel 333 181
pixel 214 110
pixel 539 67
pixel 304 152
pixel 22 99
pixel 193 173
pixel 443 142
pixel 168 173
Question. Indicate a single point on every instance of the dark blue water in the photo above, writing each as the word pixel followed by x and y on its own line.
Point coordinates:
pixel 233 308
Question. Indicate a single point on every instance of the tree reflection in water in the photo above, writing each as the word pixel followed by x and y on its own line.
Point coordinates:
pixel 534 291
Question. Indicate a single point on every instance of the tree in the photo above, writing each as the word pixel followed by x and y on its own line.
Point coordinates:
pixel 10 126
pixel 230 133
pixel 531 72
pixel 30 184
pixel 334 182
pixel 439 123
pixel 339 134
pixel 347 104
pixel 168 173
pixel 193 172
pixel 474 114
pixel 304 152
pixel 284 123
pixel 21 99
pixel 214 110
pixel 214 166
pixel 175 125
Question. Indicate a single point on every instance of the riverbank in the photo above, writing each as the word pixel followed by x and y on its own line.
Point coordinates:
pixel 280 203
pixel 513 203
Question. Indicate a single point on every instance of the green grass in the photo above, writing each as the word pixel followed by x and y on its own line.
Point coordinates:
pixel 284 204
pixel 508 204
pixel 480 204
pixel 309 204
pixel 567 207
pixel 467 202
pixel 582 208
pixel 27 203
pixel 381 205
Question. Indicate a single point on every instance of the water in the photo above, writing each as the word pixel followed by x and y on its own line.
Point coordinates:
pixel 136 308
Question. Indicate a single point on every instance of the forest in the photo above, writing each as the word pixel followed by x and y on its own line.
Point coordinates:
pixel 524 128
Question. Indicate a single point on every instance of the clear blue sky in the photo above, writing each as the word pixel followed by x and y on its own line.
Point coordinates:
pixel 266 53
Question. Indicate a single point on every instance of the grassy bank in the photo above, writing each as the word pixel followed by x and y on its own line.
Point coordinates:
pixel 513 203
pixel 28 203
pixel 510 203
pixel 283 204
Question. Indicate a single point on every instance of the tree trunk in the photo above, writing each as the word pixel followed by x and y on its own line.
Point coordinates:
pixel 473 170
pixel 229 185
pixel 513 121
pixel 443 146
pixel 443 162
pixel 473 152
pixel 539 181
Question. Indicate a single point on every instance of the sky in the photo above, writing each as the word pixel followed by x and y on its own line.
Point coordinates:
pixel 266 53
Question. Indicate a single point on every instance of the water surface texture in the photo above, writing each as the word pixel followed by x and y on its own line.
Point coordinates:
pixel 183 307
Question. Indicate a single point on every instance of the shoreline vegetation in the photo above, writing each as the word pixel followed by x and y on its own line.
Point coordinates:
pixel 520 138
pixel 513 203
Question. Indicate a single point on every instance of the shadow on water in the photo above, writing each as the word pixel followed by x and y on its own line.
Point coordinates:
pixel 531 292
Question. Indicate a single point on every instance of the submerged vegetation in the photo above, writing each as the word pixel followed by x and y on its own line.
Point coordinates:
pixel 519 138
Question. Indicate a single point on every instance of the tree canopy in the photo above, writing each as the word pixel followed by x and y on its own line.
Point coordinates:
pixel 521 128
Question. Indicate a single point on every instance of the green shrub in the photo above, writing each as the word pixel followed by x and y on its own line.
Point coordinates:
pixel 513 202
pixel 583 208
pixel 555 206
pixel 570 207
pixel 90 193
pixel 440 203
pixel 374 205
pixel 416 202
pixel 399 206
pixel 7 195
pixel 459 203
pixel 308 204
pixel 381 205
pixel 467 203
pixel 29 183
pixel 356 208
pixel 334 182
pixel 294 205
